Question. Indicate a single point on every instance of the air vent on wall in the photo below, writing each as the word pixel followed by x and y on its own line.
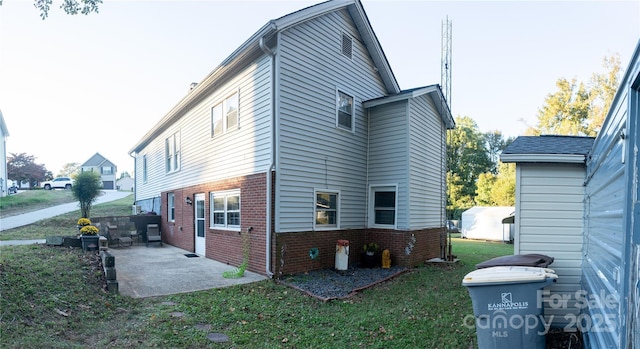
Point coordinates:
pixel 347 46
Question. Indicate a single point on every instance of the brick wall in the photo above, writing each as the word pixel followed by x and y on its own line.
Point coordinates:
pixel 221 245
pixel 407 248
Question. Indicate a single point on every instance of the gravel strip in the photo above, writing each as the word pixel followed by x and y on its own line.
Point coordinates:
pixel 329 284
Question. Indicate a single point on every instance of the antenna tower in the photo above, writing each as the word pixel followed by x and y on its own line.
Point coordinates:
pixel 445 68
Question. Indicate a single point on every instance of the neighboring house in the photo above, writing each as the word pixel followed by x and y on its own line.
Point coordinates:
pixel 591 226
pixel 301 137
pixel 106 169
pixel 550 175
pixel 485 223
pixel 4 133
pixel 125 183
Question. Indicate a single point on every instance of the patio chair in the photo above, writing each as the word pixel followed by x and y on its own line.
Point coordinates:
pixel 114 235
pixel 153 234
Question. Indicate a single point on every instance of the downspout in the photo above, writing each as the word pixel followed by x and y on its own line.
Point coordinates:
pixel 269 214
pixel 135 187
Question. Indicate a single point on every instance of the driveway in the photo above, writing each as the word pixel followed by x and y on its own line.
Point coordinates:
pixel 32 217
pixel 157 271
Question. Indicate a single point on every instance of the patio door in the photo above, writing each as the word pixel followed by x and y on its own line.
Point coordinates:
pixel 199 224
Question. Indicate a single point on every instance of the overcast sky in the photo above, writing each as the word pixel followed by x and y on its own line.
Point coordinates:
pixel 71 86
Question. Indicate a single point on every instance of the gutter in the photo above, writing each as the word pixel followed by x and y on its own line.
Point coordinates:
pixel 269 233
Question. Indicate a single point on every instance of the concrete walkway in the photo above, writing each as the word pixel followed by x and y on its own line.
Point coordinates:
pixel 157 271
pixel 32 217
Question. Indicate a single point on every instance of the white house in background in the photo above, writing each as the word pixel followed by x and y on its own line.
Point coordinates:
pixel 550 175
pixel 106 169
pixel 125 183
pixel 4 133
pixel 485 223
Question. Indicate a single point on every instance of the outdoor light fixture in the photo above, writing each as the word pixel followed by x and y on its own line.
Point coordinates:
pixel 188 201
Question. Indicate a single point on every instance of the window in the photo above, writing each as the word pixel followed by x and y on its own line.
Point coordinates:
pixel 172 153
pixel 107 170
pixel 224 116
pixel 144 168
pixel 171 207
pixel 225 209
pixel 347 46
pixel 384 206
pixel 345 111
pixel 327 210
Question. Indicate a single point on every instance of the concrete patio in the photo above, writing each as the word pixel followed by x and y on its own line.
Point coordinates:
pixel 162 270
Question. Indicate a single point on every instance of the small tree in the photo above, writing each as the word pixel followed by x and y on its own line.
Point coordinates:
pixel 86 190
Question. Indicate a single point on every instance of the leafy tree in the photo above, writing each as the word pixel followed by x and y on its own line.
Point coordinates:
pixel 495 144
pixel 72 7
pixel 70 169
pixel 124 174
pixel 23 168
pixel 485 185
pixel 603 90
pixel 497 190
pixel 86 190
pixel 576 108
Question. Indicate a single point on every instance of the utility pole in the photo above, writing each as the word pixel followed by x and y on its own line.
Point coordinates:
pixel 445 68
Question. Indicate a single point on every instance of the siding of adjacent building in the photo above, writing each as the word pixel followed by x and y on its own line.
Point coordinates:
pixel 549 221
pixel 612 231
pixel 238 152
pixel 313 152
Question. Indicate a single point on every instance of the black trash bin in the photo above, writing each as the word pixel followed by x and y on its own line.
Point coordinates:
pixel 507 305
pixel 522 260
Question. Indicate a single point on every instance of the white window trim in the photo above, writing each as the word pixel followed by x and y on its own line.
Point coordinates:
pixel 172 153
pixel 326 227
pixel 171 207
pixel 353 110
pixel 225 194
pixel 372 209
pixel 225 126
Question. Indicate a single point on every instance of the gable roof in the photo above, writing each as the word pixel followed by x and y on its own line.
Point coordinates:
pixel 433 91
pixel 255 46
pixel 97 160
pixel 548 148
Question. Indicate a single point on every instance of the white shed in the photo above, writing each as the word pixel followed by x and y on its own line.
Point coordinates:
pixel 485 223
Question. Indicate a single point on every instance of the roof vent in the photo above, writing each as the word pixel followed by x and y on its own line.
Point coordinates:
pixel 193 85
pixel 347 46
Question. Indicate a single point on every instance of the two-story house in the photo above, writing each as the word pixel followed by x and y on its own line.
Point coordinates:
pixel 106 169
pixel 301 137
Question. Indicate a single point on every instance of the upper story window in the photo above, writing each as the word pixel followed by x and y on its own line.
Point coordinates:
pixel 107 170
pixel 345 114
pixel 172 153
pixel 327 209
pixel 384 206
pixel 144 168
pixel 224 115
pixel 225 209
pixel 171 207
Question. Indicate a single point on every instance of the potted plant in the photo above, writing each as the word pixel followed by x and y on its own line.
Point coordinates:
pixel 370 258
pixel 88 235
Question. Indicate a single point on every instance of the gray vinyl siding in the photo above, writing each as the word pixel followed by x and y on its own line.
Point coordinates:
pixel 237 152
pixel 427 166
pixel 549 221
pixel 312 152
pixel 612 234
pixel 388 156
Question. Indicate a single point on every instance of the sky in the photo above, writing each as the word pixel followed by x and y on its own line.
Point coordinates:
pixel 71 86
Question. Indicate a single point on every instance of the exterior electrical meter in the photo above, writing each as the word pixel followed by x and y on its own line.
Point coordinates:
pixel 507 305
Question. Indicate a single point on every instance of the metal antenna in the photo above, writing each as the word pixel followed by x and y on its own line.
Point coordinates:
pixel 445 68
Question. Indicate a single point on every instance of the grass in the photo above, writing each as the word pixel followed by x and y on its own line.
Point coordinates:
pixel 52 297
pixel 64 225
pixel 32 200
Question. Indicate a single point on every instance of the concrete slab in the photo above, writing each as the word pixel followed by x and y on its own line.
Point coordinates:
pixel 157 271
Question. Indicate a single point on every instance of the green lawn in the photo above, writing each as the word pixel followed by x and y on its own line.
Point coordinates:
pixel 52 297
pixel 31 200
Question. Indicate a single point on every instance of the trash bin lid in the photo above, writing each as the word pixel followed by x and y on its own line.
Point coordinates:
pixel 508 274
pixel 525 260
